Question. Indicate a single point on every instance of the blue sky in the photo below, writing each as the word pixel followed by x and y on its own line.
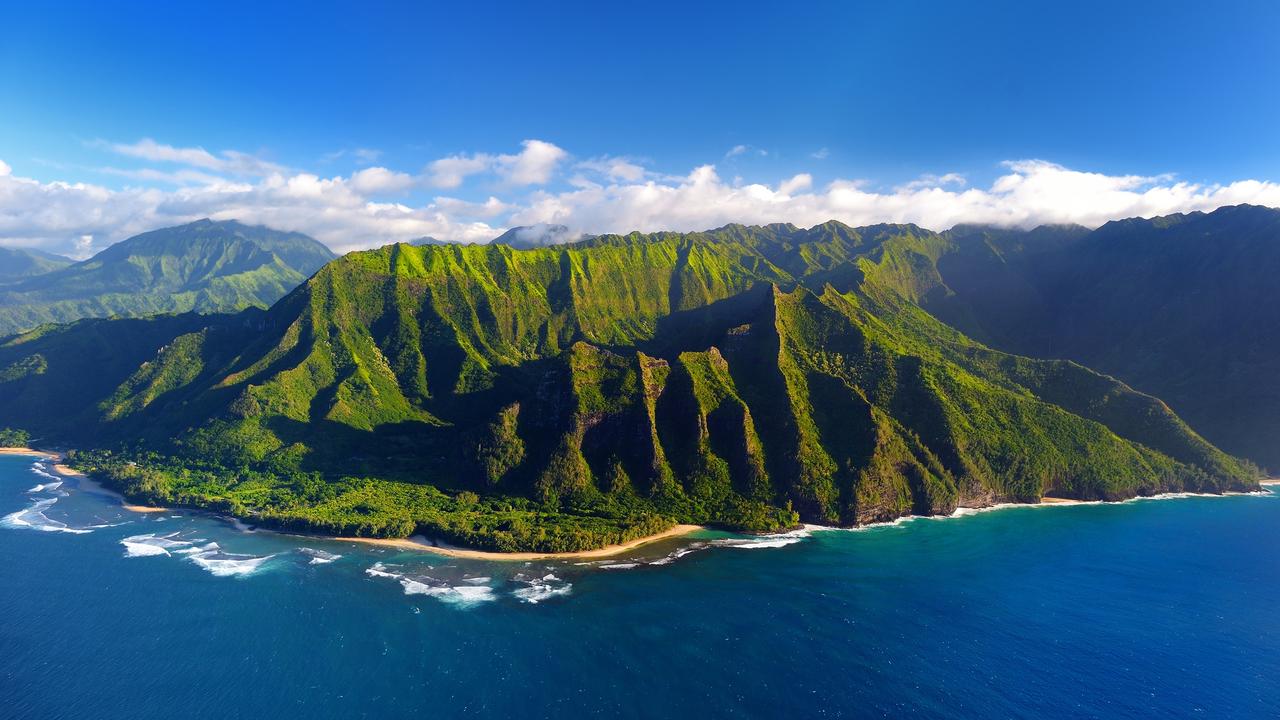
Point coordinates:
pixel 884 98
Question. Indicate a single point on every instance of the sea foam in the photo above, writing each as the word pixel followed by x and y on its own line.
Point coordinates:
pixel 33 518
pixel 151 545
pixel 457 595
pixel 319 557
pixel 224 564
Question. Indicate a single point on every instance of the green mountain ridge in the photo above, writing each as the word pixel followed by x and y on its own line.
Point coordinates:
pixel 203 266
pixel 18 263
pixel 566 397
pixel 1178 306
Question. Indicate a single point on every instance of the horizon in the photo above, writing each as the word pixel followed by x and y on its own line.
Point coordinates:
pixel 587 237
pixel 386 125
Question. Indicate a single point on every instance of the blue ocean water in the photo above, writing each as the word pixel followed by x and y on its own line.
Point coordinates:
pixel 1156 608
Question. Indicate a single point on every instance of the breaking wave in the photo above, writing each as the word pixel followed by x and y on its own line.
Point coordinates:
pixel 319 557
pixel 225 564
pixel 209 556
pixel 151 545
pixel 33 518
pixel 463 596
pixel 542 588
pixel 763 541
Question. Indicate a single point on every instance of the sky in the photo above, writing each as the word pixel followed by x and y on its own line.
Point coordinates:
pixel 367 123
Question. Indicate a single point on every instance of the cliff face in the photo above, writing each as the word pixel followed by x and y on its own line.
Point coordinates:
pixel 736 377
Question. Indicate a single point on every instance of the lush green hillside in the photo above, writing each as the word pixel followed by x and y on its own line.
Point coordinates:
pixel 203 267
pixel 1178 306
pixel 17 263
pixel 562 398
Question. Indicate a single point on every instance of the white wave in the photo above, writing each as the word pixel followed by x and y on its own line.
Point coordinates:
pixel 33 518
pixel 538 592
pixel 150 545
pixel 764 541
pixel 137 549
pixel 618 566
pixel 224 564
pixel 477 580
pixel 46 487
pixel 460 595
pixel 380 570
pixel 679 553
pixel 319 557
pixel 457 595
pixel 39 469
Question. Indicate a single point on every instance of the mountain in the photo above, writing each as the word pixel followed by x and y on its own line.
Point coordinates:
pixel 204 266
pixel 1178 306
pixel 16 263
pixel 567 397
pixel 527 237
pixel 428 240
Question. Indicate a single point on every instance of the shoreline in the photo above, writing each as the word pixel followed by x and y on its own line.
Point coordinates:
pixel 84 482
pixel 30 451
pixel 420 543
pixel 1046 500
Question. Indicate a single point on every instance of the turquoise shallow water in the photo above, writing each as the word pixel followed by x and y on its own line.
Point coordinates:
pixel 1157 608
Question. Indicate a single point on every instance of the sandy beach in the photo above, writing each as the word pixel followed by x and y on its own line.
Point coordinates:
pixel 29 451
pixel 422 544
pixel 1058 501
pixel 1270 481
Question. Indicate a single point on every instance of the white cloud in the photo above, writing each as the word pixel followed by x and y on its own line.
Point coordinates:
pixel 231 162
pixel 492 207
pixel 928 181
pixel 1033 192
pixel 614 168
pixel 533 165
pixel 820 154
pixel 737 150
pixel 800 182
pixel 618 196
pixel 374 180
pixel 450 172
pixel 367 156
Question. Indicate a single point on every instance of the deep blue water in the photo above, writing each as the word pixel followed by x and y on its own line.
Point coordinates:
pixel 1157 608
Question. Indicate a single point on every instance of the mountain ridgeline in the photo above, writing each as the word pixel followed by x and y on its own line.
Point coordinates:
pixel 18 263
pixel 1178 306
pixel 204 266
pixel 565 397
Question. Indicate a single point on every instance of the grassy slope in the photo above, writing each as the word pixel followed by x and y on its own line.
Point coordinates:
pixel 563 398
pixel 203 267
pixel 1177 306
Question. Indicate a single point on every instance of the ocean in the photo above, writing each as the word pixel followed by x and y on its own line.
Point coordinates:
pixel 1151 608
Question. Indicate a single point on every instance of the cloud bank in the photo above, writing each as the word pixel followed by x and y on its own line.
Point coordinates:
pixel 541 183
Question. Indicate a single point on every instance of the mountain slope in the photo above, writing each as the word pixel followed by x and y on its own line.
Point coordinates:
pixel 561 398
pixel 17 263
pixel 1178 306
pixel 204 266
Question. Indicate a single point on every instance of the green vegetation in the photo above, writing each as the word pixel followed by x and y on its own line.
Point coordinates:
pixel 11 438
pixel 205 266
pixel 16 263
pixel 1177 306
pixel 568 397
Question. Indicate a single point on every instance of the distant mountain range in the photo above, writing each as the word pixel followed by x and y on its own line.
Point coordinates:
pixel 18 263
pixel 204 266
pixel 569 396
